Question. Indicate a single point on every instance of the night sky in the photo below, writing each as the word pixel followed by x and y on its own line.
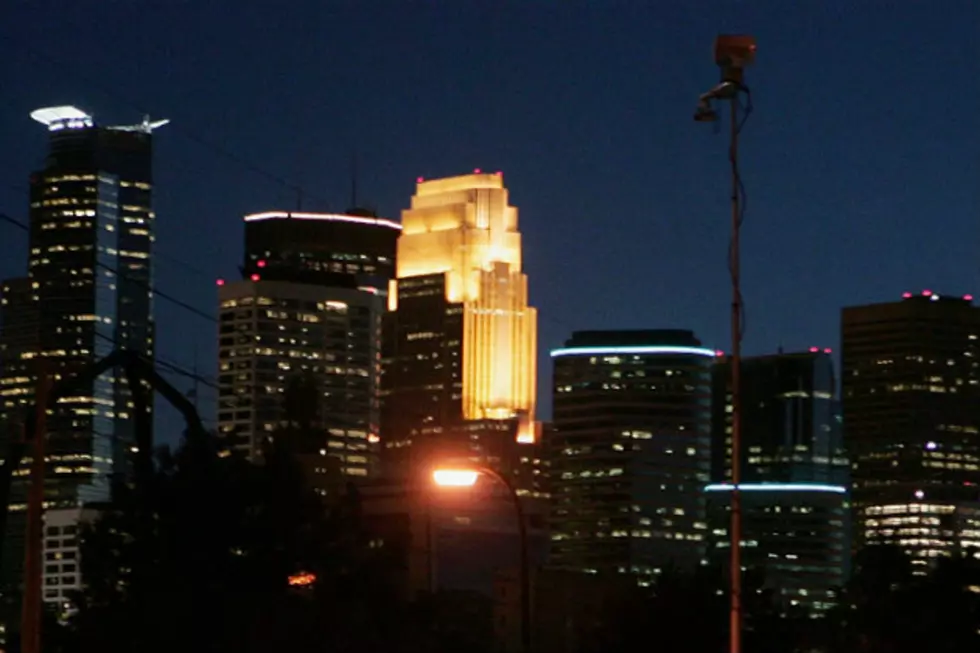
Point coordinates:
pixel 861 160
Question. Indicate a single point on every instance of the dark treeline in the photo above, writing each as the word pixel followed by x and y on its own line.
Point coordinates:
pixel 886 608
pixel 198 558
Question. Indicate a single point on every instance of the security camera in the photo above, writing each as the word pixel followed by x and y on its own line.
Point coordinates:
pixel 723 91
pixel 704 112
pixel 734 51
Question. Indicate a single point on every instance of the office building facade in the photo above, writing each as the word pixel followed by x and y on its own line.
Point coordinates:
pixel 61 576
pixel 332 249
pixel 911 407
pixel 630 452
pixel 309 307
pixel 459 367
pixel 794 473
pixel 86 293
pixel 795 537
pixel 791 429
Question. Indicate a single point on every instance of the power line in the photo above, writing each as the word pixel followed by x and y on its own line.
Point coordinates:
pixel 167 365
pixel 146 286
pixel 175 126
pixel 156 253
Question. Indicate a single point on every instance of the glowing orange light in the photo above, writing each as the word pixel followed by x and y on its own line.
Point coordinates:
pixel 302 580
pixel 455 477
pixel 465 228
pixel 373 439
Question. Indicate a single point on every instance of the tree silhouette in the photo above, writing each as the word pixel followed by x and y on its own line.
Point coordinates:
pixel 888 608
pixel 201 560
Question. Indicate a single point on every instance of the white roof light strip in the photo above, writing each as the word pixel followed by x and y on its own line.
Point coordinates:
pixel 330 217
pixel 776 487
pixel 626 351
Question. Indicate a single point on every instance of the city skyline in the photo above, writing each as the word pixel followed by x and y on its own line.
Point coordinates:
pixel 577 151
pixel 599 372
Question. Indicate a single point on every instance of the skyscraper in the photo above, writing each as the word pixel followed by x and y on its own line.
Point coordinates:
pixel 629 451
pixel 311 302
pixel 911 405
pixel 795 511
pixel 328 249
pixel 792 434
pixel 87 292
pixel 460 337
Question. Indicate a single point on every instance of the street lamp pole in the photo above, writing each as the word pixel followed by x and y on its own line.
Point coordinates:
pixel 468 477
pixel 735 618
pixel 732 54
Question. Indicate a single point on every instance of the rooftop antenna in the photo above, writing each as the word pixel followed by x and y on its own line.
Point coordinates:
pixel 353 180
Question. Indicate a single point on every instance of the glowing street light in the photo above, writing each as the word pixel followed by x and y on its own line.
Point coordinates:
pixel 455 477
pixel 449 478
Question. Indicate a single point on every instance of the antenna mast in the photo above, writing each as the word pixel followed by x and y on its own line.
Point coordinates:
pixel 353 180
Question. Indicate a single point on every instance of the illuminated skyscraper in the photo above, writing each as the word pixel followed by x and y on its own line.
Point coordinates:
pixel 911 401
pixel 89 276
pixel 87 291
pixel 795 511
pixel 792 432
pixel 311 303
pixel 630 451
pixel 460 341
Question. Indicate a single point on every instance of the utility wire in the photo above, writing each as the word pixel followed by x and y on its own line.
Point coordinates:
pixel 146 286
pixel 167 365
pixel 741 198
pixel 176 126
pixel 156 252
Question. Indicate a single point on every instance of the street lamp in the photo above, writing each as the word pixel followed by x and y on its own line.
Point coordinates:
pixel 467 477
pixel 732 54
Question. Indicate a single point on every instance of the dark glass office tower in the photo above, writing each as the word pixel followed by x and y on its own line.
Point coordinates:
pixel 629 451
pixel 86 292
pixel 322 248
pixel 794 476
pixel 89 275
pixel 791 429
pixel 911 400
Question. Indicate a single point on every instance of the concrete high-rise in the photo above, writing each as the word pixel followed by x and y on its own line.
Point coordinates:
pixel 630 451
pixel 911 407
pixel 460 337
pixel 310 303
pixel 795 511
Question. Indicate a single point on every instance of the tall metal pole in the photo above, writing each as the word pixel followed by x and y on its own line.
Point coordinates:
pixel 735 624
pixel 31 606
pixel 525 558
